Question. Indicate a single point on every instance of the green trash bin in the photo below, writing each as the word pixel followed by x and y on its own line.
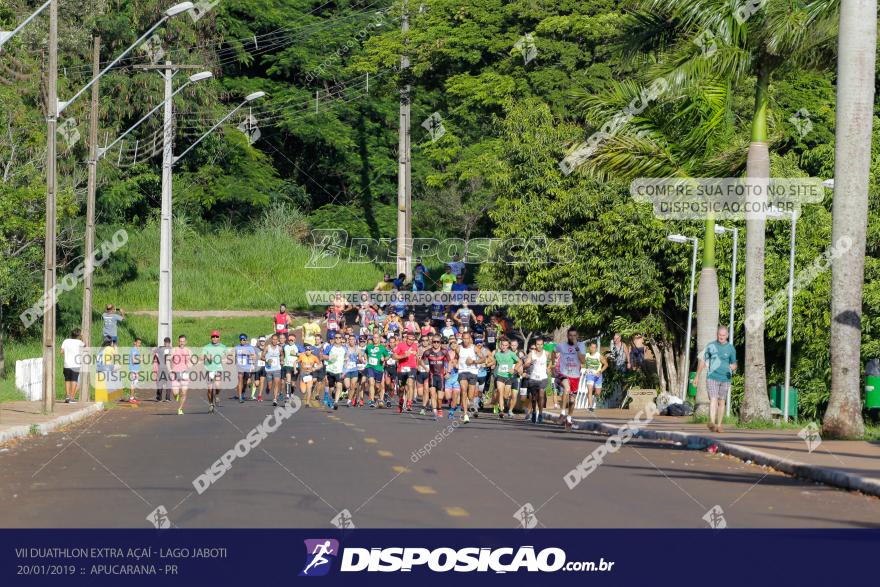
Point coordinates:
pixel 872 391
pixel 777 400
pixel 692 389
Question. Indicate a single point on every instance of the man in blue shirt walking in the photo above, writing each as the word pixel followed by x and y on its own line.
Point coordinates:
pixel 719 357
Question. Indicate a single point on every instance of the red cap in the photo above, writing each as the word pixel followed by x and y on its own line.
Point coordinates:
pixel 215 333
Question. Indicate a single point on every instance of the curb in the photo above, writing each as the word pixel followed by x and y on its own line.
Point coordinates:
pixel 50 426
pixel 832 477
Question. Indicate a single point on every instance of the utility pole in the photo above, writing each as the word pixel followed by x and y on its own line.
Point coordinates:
pixel 90 217
pixel 168 71
pixel 49 262
pixel 404 182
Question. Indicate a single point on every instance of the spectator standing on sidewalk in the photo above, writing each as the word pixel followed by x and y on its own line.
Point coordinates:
pixel 71 351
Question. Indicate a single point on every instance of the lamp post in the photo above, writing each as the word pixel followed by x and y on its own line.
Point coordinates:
pixel 681 239
pixel 165 294
pixel 719 230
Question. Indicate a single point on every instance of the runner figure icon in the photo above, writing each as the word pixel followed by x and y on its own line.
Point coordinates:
pixel 320 552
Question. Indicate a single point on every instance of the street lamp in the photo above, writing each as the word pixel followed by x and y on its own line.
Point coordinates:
pixel 55 107
pixel 776 213
pixel 168 161
pixel 197 77
pixel 681 239
pixel 719 230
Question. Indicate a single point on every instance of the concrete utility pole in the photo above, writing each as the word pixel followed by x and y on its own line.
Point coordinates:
pixel 90 217
pixel 404 182
pixel 51 178
pixel 168 71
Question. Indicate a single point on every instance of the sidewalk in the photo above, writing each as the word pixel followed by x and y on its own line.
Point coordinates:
pixel 848 464
pixel 23 418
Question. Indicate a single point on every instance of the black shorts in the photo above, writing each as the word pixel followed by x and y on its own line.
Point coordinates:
pixel 421 376
pixel 71 375
pixel 245 377
pixel 285 371
pixel 536 386
pixel 334 378
pixel 402 377
pixel 319 374
pixel 436 382
pixel 261 373
pixel 512 381
pixel 469 377
pixel 391 371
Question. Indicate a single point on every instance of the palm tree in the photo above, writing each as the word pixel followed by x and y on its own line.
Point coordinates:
pixel 855 101
pixel 674 139
pixel 700 40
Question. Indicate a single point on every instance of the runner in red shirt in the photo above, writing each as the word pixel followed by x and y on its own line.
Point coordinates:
pixel 406 354
pixel 281 320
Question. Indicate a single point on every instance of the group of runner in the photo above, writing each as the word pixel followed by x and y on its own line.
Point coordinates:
pixel 446 362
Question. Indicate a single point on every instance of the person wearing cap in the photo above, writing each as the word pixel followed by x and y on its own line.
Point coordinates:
pixel 212 355
pixel 245 358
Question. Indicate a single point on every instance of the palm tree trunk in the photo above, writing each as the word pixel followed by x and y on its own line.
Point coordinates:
pixel 756 404
pixel 658 365
pixel 857 44
pixel 671 369
pixel 707 311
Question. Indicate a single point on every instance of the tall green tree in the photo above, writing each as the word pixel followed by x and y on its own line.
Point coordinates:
pixel 855 104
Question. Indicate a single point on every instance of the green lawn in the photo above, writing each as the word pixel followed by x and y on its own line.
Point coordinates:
pixel 229 270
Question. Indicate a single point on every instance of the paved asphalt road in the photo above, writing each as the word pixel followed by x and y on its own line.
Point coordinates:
pixel 115 468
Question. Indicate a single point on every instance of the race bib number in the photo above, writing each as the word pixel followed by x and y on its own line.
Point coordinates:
pixel 280 326
pixel 361 366
pixel 373 361
pixel 404 369
pixel 490 338
pixel 350 366
pixel 242 362
pixel 332 325
pixel 307 378
pixel 504 369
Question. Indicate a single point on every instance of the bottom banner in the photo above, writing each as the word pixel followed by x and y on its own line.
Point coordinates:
pixel 434 557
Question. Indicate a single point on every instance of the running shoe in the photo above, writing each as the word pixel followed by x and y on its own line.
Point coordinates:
pixel 372 404
pixel 465 419
pixel 541 418
pixel 422 412
pixel 260 397
pixel 349 403
pixel 179 411
pixel 399 408
pixel 440 412
pixel 211 408
pixel 335 406
pixel 409 406
pixel 510 414
pixel 534 418
pixel 362 403
pixel 67 400
pixel 495 409
pixel 241 400
pixel 274 403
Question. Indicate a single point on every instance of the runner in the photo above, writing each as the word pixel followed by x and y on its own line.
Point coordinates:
pixel 271 355
pixel 426 330
pixel 422 372
pixel 449 331
pixel 362 368
pixel 135 358
pixel 260 377
pixel 376 354
pixel 437 361
pixel 411 326
pixel 365 318
pixel 536 364
pixel 180 362
pixel 438 315
pixel 71 351
pixel 162 370
pixel 506 364
pixel 719 358
pixel 596 363
pixel 420 275
pixel 452 391
pixel 308 363
pixel 245 358
pixel 393 325
pixel 320 372
pixel 291 352
pixel 463 317
pixel 492 333
pixel 521 383
pixel 310 330
pixel 352 359
pixel 468 367
pixel 570 356
pixel 335 321
pixel 406 354
pixel 334 357
pixel 282 320
pixel 212 356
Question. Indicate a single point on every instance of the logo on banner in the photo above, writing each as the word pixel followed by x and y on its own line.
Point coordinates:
pixel 320 553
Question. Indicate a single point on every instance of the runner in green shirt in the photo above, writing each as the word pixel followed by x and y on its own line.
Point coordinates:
pixel 376 354
pixel 505 361
pixel 212 356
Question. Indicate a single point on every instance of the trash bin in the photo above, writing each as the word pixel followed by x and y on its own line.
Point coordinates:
pixel 692 389
pixel 872 384
pixel 777 400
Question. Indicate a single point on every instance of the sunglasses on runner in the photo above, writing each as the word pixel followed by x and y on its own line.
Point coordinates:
pixel 435 342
